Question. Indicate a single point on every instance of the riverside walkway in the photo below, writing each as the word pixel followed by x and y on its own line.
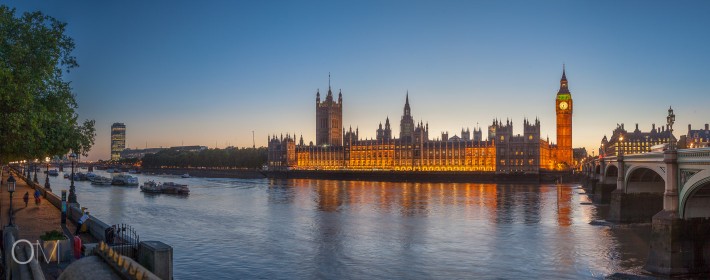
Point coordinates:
pixel 34 220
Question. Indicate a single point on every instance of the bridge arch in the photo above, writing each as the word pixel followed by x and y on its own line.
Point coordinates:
pixel 611 173
pixel 644 179
pixel 696 198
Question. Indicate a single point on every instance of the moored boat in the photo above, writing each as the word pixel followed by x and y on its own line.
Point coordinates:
pixel 53 172
pixel 100 180
pixel 186 175
pixel 167 187
pixel 150 187
pixel 124 180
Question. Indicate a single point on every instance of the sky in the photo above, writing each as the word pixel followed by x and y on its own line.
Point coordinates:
pixel 211 72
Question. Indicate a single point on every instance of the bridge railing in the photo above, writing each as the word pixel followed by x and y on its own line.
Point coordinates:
pixel 701 155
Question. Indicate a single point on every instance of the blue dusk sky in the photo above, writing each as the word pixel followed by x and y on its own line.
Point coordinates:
pixel 211 72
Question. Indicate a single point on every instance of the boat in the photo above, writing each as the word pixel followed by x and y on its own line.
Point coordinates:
pixel 150 187
pixel 101 180
pixel 174 188
pixel 124 180
pixel 110 170
pixel 186 175
pixel 167 187
pixel 53 172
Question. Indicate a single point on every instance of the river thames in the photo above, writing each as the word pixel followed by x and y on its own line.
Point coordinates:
pixel 306 229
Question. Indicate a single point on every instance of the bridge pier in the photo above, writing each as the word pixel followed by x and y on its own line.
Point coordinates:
pixel 634 207
pixel 678 247
pixel 602 192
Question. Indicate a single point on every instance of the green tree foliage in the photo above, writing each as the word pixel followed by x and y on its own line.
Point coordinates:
pixel 211 158
pixel 38 116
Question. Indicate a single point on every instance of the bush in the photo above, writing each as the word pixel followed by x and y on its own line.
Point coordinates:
pixel 52 235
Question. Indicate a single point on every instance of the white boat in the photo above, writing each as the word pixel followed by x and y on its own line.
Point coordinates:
pixel 186 175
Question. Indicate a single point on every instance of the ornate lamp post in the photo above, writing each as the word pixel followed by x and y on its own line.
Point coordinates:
pixel 72 189
pixel 46 179
pixel 35 168
pixel 671 120
pixel 621 150
pixel 11 189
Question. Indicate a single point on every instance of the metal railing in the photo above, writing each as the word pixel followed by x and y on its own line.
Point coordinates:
pixel 123 239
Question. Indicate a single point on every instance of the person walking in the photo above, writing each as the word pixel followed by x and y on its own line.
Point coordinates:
pixel 38 194
pixel 26 198
pixel 81 222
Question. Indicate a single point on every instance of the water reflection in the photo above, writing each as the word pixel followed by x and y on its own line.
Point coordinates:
pixel 305 229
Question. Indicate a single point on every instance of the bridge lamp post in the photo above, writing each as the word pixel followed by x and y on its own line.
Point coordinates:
pixel 11 189
pixel 72 189
pixel 621 141
pixel 671 120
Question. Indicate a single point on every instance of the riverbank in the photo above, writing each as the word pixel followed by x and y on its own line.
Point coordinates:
pixel 375 175
pixel 428 176
pixel 209 173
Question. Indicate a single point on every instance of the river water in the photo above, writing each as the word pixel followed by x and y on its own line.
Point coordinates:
pixel 322 229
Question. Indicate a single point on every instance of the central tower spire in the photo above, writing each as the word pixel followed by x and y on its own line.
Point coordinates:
pixel 563 83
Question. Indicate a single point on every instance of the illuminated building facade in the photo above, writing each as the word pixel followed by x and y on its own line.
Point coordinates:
pixel 698 138
pixel 329 119
pixel 563 110
pixel 636 142
pixel 118 140
pixel 501 152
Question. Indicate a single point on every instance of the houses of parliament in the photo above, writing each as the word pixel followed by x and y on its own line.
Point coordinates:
pixel 501 152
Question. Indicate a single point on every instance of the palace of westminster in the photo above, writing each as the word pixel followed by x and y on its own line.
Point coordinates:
pixel 501 152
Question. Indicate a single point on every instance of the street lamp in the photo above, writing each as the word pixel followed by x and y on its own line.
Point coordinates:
pixel 72 191
pixel 35 168
pixel 46 179
pixel 11 189
pixel 621 150
pixel 671 120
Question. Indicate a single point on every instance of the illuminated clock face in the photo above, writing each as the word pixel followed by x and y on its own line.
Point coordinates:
pixel 564 105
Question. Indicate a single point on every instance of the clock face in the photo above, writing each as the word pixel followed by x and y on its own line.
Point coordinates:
pixel 563 105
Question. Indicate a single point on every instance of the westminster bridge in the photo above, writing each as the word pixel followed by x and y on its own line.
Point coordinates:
pixel 670 189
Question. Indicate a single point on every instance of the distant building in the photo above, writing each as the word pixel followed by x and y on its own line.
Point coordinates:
pixel 635 142
pixel 697 138
pixel 118 140
pixel 579 154
pixel 502 152
pixel 140 153
pixel 193 148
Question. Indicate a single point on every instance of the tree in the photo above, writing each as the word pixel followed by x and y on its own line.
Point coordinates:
pixel 38 109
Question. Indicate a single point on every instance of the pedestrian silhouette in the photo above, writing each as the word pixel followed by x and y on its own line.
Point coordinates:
pixel 38 194
pixel 26 198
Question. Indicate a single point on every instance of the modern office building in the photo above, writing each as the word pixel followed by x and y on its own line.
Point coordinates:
pixel 118 140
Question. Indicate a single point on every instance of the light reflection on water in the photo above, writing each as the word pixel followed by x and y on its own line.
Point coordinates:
pixel 285 229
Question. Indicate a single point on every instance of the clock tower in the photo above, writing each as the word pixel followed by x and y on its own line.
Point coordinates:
pixel 563 109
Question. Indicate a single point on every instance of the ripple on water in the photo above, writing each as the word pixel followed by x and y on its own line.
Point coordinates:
pixel 304 229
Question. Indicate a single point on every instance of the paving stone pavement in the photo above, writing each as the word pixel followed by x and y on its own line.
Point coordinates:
pixel 34 220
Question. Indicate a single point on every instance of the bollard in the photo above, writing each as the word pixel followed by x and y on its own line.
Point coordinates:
pixel 64 207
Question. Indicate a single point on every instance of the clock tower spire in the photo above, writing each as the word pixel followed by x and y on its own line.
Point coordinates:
pixel 563 109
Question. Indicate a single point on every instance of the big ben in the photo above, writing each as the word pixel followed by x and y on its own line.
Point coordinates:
pixel 563 108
